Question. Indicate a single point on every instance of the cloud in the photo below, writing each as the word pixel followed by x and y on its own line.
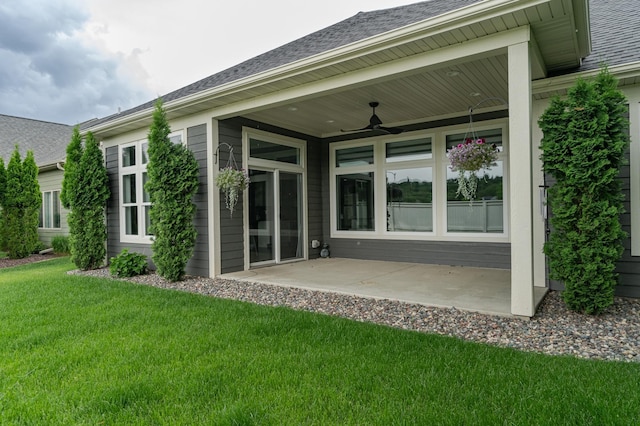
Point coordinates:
pixel 51 70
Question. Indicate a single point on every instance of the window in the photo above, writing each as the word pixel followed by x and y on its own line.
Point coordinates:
pixel 355 202
pixel 355 188
pixel 50 210
pixel 274 151
pixel 402 186
pixel 409 185
pixel 486 213
pixel 134 200
pixel 135 204
pixel 407 170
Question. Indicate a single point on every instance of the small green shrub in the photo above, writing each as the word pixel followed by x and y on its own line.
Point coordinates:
pixel 39 246
pixel 60 244
pixel 128 264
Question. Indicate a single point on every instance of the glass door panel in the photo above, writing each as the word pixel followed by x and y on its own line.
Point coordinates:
pixel 261 216
pixel 290 203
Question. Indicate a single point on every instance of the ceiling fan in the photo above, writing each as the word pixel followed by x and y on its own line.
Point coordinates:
pixel 375 124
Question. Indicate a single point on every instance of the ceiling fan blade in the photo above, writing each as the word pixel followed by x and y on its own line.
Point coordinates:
pixel 369 127
pixel 392 130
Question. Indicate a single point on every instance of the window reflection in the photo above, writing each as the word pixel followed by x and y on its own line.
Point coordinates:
pixel 409 200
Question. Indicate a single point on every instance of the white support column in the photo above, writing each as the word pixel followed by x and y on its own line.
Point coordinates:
pixel 521 181
pixel 214 200
pixel 633 96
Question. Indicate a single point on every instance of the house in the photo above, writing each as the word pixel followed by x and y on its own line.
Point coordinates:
pixel 431 73
pixel 48 141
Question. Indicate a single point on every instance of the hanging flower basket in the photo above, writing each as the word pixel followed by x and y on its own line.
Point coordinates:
pixel 232 182
pixel 468 159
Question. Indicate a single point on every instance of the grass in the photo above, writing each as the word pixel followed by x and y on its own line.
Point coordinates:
pixel 79 350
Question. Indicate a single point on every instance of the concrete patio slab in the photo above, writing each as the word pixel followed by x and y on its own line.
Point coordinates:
pixel 474 289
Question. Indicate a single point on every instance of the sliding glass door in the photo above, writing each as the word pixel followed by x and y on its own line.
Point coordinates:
pixel 275 216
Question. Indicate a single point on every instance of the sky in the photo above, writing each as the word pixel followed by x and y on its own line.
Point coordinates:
pixel 68 61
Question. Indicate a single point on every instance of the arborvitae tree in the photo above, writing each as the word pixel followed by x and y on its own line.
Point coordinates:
pixel 3 188
pixel 88 231
pixel 32 200
pixel 22 203
pixel 172 182
pixel 583 148
pixel 69 182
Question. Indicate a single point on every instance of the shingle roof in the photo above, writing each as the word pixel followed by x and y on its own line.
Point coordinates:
pixel 48 141
pixel 615 33
pixel 359 27
pixel 615 39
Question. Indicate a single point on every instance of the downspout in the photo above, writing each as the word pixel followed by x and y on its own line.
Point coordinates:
pixel 59 166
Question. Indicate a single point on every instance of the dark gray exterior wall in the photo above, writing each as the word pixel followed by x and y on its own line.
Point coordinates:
pixel 197 143
pixel 629 266
pixel 199 263
pixel 231 228
pixel 454 253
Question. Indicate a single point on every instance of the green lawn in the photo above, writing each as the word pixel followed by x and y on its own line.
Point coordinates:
pixel 78 350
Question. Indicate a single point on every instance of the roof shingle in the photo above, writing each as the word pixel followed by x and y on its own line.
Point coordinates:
pixel 48 141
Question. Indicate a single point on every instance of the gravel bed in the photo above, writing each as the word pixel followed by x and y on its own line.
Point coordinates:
pixel 614 335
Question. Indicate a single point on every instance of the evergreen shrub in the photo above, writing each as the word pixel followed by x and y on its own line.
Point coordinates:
pixel 88 230
pixel 584 144
pixel 172 182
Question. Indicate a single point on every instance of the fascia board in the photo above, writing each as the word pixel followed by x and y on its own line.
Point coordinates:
pixel 563 82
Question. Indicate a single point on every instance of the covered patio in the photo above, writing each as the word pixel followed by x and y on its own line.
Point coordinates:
pixel 483 290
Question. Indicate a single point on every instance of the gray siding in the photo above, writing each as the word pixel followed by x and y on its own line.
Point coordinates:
pixel 199 263
pixel 231 228
pixel 197 143
pixel 482 255
pixel 629 266
pixel 52 181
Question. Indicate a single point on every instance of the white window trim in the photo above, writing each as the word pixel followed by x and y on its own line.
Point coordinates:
pixel 43 227
pixel 439 163
pixel 269 165
pixel 139 169
pixel 177 133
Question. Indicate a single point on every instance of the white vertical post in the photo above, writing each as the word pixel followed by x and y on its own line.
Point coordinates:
pixel 521 181
pixel 633 96
pixel 213 199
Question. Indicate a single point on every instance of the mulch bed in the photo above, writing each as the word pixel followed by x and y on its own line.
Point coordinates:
pixel 7 263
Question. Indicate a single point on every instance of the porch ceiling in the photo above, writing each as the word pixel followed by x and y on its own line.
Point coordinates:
pixel 432 93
